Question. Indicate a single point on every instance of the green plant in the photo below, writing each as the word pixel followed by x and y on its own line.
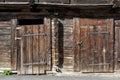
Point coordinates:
pixel 7 72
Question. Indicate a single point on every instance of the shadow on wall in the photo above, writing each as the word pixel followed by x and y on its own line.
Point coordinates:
pixel 60 45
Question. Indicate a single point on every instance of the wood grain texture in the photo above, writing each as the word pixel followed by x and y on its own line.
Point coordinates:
pixel 117 48
pixel 91 1
pixel 5 45
pixel 35 49
pixel 94 49
pixel 13 47
pixel 63 40
pixel 53 1
pixel 16 1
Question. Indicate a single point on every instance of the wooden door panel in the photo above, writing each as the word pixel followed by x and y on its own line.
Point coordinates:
pixel 35 49
pixel 117 47
pixel 94 45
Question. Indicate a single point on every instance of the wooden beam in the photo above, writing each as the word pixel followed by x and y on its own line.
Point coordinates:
pixel 13 47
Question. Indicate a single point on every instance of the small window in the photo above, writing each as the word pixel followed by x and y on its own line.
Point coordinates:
pixel 30 21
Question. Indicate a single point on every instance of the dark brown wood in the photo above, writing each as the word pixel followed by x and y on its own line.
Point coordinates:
pixel 2 0
pixel 5 45
pixel 95 42
pixel 35 50
pixel 53 1
pixel 91 1
pixel 16 1
pixel 76 23
pixel 117 46
pixel 48 43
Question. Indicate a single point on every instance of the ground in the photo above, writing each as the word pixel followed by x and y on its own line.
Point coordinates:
pixel 63 77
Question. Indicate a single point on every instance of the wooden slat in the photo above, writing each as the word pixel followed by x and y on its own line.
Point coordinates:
pixel 30 49
pixel 22 51
pixel 91 2
pixel 16 0
pixel 117 47
pixel 76 23
pixel 39 48
pixel 53 1
pixel 110 23
pixel 48 42
pixel 18 33
pixel 35 50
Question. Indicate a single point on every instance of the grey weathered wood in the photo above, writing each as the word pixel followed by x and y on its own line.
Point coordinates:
pixel 5 46
pixel 31 64
pixel 13 47
pixel 91 1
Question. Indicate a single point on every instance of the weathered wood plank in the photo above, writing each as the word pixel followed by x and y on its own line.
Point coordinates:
pixel 48 42
pixel 39 48
pixel 18 43
pixel 13 49
pixel 23 50
pixel 91 1
pixel 110 23
pixel 76 24
pixel 42 48
pixel 117 47
pixel 53 1
pixel 30 48
pixel 15 0
pixel 35 50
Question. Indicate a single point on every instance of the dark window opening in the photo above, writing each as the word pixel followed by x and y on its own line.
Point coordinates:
pixel 30 21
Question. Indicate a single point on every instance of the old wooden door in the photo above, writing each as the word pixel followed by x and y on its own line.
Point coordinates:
pixel 35 48
pixel 93 45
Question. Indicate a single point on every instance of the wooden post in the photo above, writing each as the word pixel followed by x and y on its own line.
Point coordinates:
pixel 76 25
pixel 13 48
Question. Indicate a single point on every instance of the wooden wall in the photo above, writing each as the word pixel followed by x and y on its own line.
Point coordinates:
pixel 53 1
pixel 66 1
pixel 91 1
pixel 14 0
pixel 63 43
pixel 5 45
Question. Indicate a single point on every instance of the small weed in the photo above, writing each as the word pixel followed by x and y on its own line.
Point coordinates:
pixel 7 72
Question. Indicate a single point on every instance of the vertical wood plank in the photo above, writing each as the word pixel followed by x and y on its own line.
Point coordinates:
pixel 111 42
pixel 23 50
pixel 39 48
pixel 48 42
pixel 30 49
pixel 76 47
pixel 13 49
pixel 35 49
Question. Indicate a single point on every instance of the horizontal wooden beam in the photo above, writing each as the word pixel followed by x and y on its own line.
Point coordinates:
pixel 59 4
pixel 23 13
